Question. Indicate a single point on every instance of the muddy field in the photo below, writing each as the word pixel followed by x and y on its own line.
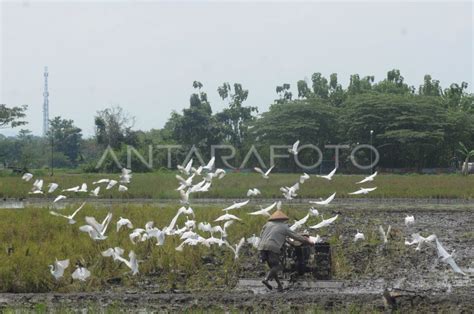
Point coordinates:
pixel 413 281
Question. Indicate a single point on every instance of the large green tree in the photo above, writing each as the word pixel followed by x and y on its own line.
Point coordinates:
pixel 408 130
pixel 66 138
pixel 236 118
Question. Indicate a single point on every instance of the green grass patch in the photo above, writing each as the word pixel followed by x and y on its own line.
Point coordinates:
pixel 162 185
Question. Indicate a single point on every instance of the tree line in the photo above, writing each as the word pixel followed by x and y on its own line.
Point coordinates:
pixel 411 127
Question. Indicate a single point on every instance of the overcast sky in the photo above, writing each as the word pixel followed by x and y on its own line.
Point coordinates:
pixel 145 56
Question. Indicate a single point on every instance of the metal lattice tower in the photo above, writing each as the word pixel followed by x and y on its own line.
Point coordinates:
pixel 45 103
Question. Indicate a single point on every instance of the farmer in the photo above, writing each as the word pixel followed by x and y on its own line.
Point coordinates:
pixel 272 238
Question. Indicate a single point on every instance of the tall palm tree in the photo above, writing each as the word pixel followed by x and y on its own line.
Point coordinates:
pixel 467 155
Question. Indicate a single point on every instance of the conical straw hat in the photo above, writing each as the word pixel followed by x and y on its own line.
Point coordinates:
pixel 278 215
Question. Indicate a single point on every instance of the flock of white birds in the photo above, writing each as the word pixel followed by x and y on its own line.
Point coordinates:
pixel 189 232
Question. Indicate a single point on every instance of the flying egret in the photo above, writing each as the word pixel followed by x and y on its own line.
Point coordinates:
pixel 95 230
pixel 368 179
pixel 264 174
pixel 124 222
pixel 115 253
pixel 184 197
pixel 83 188
pixel 253 192
pixel 57 269
pixel 448 258
pixel 294 149
pixel 101 181
pixel 137 233
pixel 81 273
pixel 184 183
pixel 111 184
pixel 299 223
pixel 418 239
pixel 210 164
pixel 95 192
pixel 227 216
pixel 385 234
pixel 187 169
pixel 363 191
pixel 132 263
pixel 236 205
pixel 73 189
pixel 290 192
pixel 324 222
pixel 122 188
pixel 304 177
pixel 70 217
pixel 59 198
pixel 27 177
pixel 326 201
pixel 329 175
pixel 52 187
pixel 37 185
pixel 264 211
pixel 237 247
pixel 254 241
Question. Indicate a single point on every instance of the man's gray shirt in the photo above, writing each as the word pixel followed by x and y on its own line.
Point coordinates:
pixel 274 234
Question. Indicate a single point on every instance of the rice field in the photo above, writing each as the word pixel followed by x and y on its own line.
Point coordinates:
pixel 31 239
pixel 162 185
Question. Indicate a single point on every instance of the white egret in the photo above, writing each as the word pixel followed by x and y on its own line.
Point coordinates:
pixel 59 198
pixel 253 192
pixel 254 241
pixel 73 189
pixel 359 236
pixel 363 191
pixel 368 179
pixel 210 164
pixel 409 220
pixel 324 222
pixel 237 247
pixel 122 188
pixel 290 192
pixel 101 181
pixel 313 212
pixel 70 217
pixel 83 188
pixel 111 184
pixel 95 192
pixel 299 223
pixel 115 253
pixel 52 187
pixel 236 205
pixel 329 175
pixel 326 201
pixel 264 211
pixel 227 216
pixel 95 230
pixel 124 222
pixel 264 174
pixel 385 234
pixel 304 177
pixel 448 258
pixel 294 149
pixel 81 273
pixel 187 169
pixel 132 263
pixel 418 239
pixel 27 177
pixel 57 269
